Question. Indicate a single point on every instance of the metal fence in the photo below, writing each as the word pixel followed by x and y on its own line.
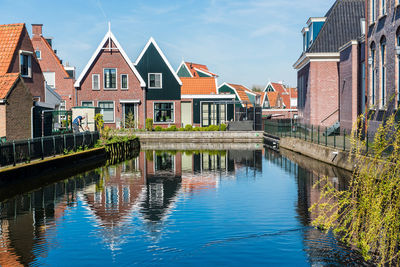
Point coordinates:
pixel 15 152
pixel 326 136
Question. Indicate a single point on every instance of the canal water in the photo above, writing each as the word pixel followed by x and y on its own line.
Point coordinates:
pixel 177 208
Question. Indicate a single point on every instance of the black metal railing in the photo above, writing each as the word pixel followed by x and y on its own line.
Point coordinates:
pixel 321 135
pixel 25 151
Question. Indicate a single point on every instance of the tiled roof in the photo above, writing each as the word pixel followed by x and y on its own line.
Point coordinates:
pixel 272 99
pixel 341 26
pixel 193 66
pixel 42 39
pixel 241 91
pixel 283 93
pixel 293 92
pixel 6 83
pixel 198 86
pixel 9 37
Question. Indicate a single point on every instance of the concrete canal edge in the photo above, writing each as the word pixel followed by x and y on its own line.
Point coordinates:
pixel 201 137
pixel 335 157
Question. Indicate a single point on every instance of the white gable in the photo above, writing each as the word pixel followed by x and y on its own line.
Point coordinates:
pixel 109 36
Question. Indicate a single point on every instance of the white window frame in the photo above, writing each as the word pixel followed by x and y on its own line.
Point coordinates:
pixel 127 81
pixel 154 114
pixel 87 102
pixel 116 80
pixel 40 54
pixel 102 101
pixel 161 80
pixel 50 72
pixel 30 54
pixel 96 89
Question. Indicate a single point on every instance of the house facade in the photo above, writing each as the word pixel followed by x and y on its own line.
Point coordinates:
pixel 318 66
pixel 279 101
pixel 16 103
pixel 244 97
pixel 111 82
pixel 162 88
pixel 383 59
pixel 57 77
pixel 18 56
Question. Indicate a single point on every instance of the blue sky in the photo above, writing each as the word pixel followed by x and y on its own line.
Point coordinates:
pixel 245 42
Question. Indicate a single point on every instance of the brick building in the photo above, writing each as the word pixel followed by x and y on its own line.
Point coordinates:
pixel 53 70
pixel 111 82
pixel 17 56
pixel 383 50
pixel 318 66
pixel 16 103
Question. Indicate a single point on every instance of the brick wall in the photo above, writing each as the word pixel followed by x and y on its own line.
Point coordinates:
pixel 323 94
pixel 113 59
pixel 280 114
pixel 50 63
pixel 18 113
pixel 2 120
pixel 36 83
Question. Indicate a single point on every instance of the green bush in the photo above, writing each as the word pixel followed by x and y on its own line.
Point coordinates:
pixel 188 128
pixel 158 129
pixel 213 128
pixel 222 127
pixel 149 125
pixel 173 128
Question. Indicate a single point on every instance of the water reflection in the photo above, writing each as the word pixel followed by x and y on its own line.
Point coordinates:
pixel 147 187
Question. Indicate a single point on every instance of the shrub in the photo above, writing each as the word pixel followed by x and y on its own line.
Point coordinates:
pixel 99 121
pixel 172 128
pixel 213 128
pixel 149 125
pixel 188 128
pixel 158 129
pixel 222 127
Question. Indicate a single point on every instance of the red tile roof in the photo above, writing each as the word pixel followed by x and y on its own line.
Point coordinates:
pixel 7 82
pixel 9 38
pixel 273 99
pixel 241 90
pixel 194 67
pixel 198 86
pixel 283 92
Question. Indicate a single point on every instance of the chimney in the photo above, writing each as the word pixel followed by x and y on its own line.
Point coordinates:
pixel 37 29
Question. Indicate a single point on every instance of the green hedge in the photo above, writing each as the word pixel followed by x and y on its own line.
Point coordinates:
pixel 189 128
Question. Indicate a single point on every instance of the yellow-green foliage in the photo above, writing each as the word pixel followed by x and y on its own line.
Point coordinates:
pixel 367 215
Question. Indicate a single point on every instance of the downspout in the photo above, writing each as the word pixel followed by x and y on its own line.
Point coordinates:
pixel 144 107
pixel 76 97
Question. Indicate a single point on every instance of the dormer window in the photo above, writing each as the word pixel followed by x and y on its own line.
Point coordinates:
pixel 25 62
pixel 155 80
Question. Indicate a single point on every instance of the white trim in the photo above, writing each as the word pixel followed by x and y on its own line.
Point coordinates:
pixel 99 82
pixel 315 19
pixel 3 101
pixel 129 101
pixel 30 54
pixel 87 101
pixel 238 96
pixel 304 30
pixel 184 64
pixel 40 52
pixel 109 35
pixel 127 81
pixel 103 101
pixel 207 73
pixel 148 80
pixel 315 57
pixel 347 45
pixel 152 41
pixel 116 80
pixel 43 105
pixel 154 114
pixel 220 96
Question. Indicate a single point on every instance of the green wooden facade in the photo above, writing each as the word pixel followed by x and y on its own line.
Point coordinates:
pixel 226 89
pixel 152 62
pixel 183 72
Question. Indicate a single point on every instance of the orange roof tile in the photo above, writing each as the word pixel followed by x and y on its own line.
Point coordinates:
pixel 241 91
pixel 7 81
pixel 193 66
pixel 9 38
pixel 198 86
pixel 283 92
pixel 273 99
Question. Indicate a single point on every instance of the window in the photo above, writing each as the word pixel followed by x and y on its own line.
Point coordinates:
pixel 50 78
pixel 124 81
pixel 107 109
pixel 383 7
pixel 155 80
pixel 110 78
pixel 38 54
pixel 163 112
pixel 164 162
pixel 87 104
pixel 373 12
pixel 383 71
pixel 373 76
pixel 96 82
pixel 212 114
pixel 26 64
